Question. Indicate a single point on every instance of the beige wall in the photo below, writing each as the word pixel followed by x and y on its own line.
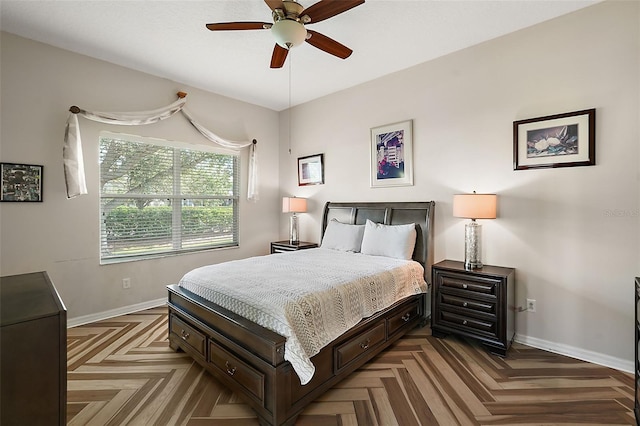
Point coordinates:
pixel 38 85
pixel 571 233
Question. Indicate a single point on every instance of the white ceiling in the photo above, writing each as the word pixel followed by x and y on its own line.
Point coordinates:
pixel 169 39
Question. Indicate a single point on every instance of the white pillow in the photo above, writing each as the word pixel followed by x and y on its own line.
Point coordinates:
pixel 342 236
pixel 396 241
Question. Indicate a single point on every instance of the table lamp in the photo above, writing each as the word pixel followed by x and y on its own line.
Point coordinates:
pixel 294 205
pixel 474 206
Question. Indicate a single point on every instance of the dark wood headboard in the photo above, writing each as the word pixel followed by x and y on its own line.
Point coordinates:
pixel 392 213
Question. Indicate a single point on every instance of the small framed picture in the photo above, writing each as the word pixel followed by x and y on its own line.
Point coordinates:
pixel 562 140
pixel 311 170
pixel 391 155
pixel 21 182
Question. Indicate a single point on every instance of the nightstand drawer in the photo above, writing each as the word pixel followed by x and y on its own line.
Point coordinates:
pixel 286 246
pixel 275 249
pixel 469 285
pixel 464 323
pixel 468 304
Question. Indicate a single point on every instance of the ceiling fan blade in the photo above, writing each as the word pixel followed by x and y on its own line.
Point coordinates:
pixel 279 56
pixel 274 4
pixel 226 26
pixel 329 45
pixel 327 8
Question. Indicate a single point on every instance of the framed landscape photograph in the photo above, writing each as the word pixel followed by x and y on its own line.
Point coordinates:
pixel 391 155
pixel 21 182
pixel 562 140
pixel 311 170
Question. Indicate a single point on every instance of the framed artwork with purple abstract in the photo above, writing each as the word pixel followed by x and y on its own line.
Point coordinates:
pixel 562 140
pixel 392 155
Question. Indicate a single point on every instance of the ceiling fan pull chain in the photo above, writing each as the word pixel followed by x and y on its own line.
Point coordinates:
pixel 289 112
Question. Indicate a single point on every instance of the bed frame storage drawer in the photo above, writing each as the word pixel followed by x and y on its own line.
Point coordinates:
pixel 358 346
pixel 242 373
pixel 192 337
pixel 403 318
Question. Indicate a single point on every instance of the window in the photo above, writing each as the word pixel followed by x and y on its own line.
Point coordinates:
pixel 159 197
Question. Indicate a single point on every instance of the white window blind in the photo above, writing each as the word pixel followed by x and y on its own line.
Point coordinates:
pixel 158 199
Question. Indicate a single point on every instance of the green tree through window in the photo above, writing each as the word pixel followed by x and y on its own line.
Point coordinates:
pixel 158 199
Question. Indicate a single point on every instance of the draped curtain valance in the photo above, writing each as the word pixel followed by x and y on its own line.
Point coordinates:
pixel 72 150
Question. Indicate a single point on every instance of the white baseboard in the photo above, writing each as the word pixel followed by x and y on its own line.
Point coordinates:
pixel 87 319
pixel 577 353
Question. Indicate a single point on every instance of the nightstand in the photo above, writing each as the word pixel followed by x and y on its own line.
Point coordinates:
pixel 478 303
pixel 282 246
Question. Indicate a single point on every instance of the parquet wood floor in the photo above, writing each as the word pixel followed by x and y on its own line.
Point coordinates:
pixel 121 371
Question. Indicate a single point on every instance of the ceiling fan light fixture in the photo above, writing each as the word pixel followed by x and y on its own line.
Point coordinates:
pixel 288 33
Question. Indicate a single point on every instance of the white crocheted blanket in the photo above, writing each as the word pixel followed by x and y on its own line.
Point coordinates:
pixel 308 296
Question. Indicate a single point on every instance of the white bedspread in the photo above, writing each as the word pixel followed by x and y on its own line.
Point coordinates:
pixel 308 296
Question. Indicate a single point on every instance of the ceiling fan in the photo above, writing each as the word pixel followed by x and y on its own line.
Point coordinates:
pixel 288 27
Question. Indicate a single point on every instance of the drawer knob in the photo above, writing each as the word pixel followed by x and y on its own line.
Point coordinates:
pixel 464 322
pixel 184 335
pixel 365 345
pixel 230 370
pixel 464 285
pixel 406 317
pixel 465 304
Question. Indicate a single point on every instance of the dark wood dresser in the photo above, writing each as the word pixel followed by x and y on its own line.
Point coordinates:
pixel 33 351
pixel 476 303
pixel 637 357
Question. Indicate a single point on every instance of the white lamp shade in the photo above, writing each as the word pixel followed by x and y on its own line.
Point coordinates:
pixel 288 33
pixel 475 206
pixel 294 205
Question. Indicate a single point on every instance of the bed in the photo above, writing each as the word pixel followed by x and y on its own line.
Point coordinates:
pixel 250 358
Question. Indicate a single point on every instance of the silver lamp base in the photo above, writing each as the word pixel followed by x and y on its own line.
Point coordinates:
pixel 293 229
pixel 473 245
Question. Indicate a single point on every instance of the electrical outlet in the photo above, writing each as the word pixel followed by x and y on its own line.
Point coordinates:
pixel 126 283
pixel 531 305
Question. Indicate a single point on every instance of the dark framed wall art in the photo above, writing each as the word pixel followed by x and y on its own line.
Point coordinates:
pixel 561 140
pixel 21 182
pixel 391 155
pixel 311 170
